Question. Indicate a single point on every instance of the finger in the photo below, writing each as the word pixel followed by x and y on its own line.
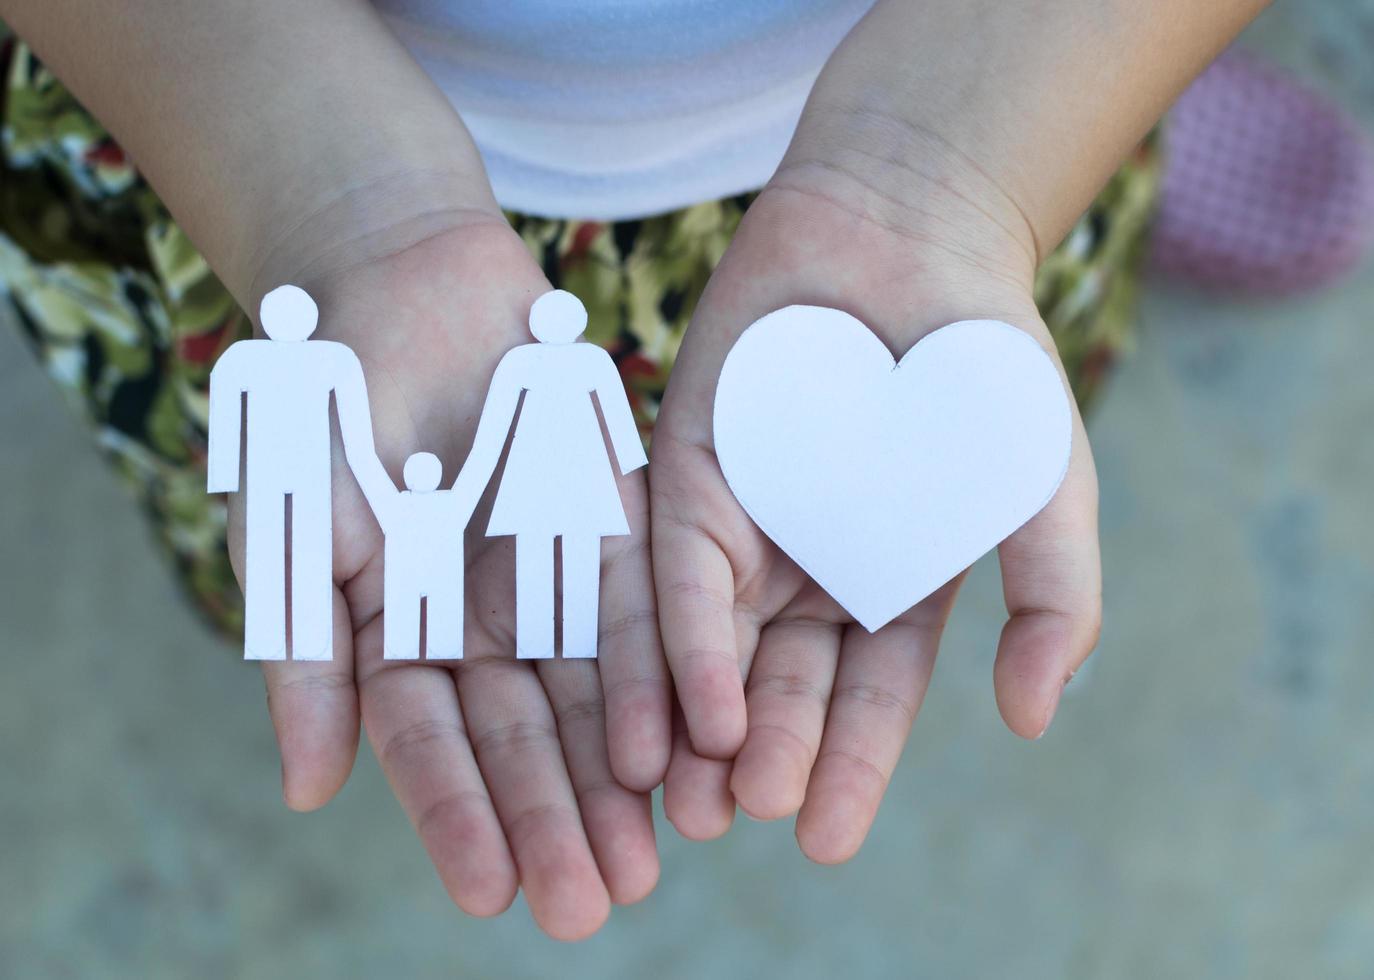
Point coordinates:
pixel 634 674
pixel 696 790
pixel 788 694
pixel 1052 582
pixel 514 732
pixel 695 586
pixel 314 710
pixel 415 725
pixel 881 680
pixel 619 822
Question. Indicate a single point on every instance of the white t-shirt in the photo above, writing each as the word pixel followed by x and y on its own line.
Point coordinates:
pixel 615 109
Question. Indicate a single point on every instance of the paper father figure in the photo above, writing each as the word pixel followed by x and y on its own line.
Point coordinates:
pixel 884 479
pixel 287 380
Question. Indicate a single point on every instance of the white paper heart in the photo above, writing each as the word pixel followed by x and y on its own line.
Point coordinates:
pixel 884 479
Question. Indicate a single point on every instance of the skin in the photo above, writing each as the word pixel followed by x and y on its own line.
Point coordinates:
pixel 946 147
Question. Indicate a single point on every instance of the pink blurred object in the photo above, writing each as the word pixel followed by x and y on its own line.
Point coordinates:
pixel 1267 186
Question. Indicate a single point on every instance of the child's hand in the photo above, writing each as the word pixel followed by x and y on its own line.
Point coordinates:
pixel 942 148
pixel 503 766
pixel 788 704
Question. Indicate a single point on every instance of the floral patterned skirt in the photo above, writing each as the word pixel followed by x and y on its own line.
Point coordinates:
pixel 127 318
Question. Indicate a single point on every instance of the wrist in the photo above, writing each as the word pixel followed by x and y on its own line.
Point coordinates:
pixel 365 221
pixel 805 240
pixel 911 182
pixel 428 300
pixel 812 240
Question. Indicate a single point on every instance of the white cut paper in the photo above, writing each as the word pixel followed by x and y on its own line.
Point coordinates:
pixel 883 479
pixel 558 485
pixel 286 381
pixel 422 560
pixel 558 488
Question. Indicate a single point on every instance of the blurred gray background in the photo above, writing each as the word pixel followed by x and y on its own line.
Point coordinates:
pixel 1203 806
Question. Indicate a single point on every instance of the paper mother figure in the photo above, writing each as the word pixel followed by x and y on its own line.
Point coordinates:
pixel 558 483
pixel 287 380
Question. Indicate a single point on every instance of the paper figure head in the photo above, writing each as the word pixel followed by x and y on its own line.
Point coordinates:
pixel 557 317
pixel 288 313
pixel 422 472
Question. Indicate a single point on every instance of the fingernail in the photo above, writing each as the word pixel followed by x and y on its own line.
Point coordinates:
pixel 1054 707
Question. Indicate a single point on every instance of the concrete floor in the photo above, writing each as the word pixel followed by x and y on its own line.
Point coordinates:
pixel 1204 805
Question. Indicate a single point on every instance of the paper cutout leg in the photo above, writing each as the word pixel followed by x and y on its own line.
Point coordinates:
pixel 264 559
pixel 401 613
pixel 533 597
pixel 312 576
pixel 444 620
pixel 581 595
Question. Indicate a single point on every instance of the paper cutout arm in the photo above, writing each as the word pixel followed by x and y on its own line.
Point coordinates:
pixel 503 397
pixel 376 485
pixel 224 443
pixel 355 425
pixel 620 421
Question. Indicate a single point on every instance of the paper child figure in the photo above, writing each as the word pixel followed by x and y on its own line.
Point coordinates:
pixel 287 380
pixel 423 559
pixel 558 482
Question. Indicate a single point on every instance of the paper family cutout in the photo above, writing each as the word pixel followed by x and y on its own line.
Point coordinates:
pixel 557 485
pixel 884 479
